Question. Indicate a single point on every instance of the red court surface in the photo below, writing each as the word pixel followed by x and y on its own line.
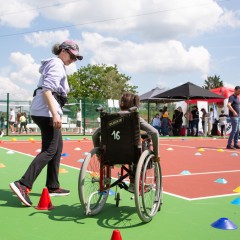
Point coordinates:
pixel 205 159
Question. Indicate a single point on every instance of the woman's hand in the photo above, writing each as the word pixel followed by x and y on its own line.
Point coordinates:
pixel 57 121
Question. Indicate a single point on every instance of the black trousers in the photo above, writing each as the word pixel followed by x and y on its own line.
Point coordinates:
pixel 50 154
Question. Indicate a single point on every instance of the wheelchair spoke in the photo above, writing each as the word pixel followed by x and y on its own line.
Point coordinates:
pixel 89 185
pixel 147 187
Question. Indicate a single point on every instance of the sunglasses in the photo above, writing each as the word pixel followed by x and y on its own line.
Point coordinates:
pixel 72 56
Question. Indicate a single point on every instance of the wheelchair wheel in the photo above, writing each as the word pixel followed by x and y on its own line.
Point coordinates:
pixel 93 184
pixel 148 187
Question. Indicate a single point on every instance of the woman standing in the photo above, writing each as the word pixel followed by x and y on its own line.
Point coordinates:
pixel 204 115
pixel 23 122
pixel 177 121
pixel 156 123
pixel 210 122
pixel 46 112
pixel 165 122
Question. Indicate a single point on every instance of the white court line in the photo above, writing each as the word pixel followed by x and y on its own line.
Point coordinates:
pixel 205 148
pixel 201 198
pixel 168 193
pixel 177 196
pixel 202 173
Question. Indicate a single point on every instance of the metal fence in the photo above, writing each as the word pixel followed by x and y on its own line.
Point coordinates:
pixel 90 117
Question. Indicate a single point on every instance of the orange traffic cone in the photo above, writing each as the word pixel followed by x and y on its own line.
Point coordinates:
pixel 116 235
pixel 45 201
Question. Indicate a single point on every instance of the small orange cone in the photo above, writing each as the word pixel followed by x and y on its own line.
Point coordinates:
pixel 116 235
pixel 62 170
pixel 45 201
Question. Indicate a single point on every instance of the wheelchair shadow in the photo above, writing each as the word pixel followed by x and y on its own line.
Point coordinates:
pixel 110 217
pixel 119 217
pixel 63 213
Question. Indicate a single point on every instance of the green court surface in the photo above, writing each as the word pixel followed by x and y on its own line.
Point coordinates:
pixel 178 219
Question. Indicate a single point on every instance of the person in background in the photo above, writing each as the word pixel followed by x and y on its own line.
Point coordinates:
pixel 46 112
pixel 234 113
pixel 19 114
pixel 12 120
pixel 156 123
pixel 188 116
pixel 210 122
pixel 195 121
pixel 223 122
pixel 177 121
pixel 2 124
pixel 79 121
pixel 204 115
pixel 165 122
pixel 160 114
pixel 23 123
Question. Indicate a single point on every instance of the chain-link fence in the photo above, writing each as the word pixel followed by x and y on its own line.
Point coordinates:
pixel 88 115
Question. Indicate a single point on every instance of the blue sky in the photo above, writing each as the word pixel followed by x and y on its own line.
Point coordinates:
pixel 155 42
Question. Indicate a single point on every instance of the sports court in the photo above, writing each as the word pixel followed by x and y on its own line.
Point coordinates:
pixel 200 179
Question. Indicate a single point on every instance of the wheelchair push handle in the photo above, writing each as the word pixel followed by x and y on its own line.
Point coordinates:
pixel 100 108
pixel 133 109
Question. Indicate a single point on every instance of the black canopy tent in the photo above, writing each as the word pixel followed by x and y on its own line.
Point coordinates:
pixel 188 91
pixel 148 97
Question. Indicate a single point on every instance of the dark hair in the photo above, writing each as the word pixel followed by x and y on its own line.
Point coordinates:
pixel 129 100
pixel 164 109
pixel 56 49
pixel 237 88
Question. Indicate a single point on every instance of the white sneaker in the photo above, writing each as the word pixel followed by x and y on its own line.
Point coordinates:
pixel 2 134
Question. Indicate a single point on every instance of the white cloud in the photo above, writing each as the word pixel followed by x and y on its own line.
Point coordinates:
pixel 159 57
pixel 229 85
pixel 145 19
pixel 148 19
pixel 21 82
pixel 46 39
pixel 70 69
pixel 229 18
pixel 26 69
pixel 18 14
pixel 15 92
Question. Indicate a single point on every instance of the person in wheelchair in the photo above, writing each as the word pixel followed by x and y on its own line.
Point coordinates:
pixel 129 100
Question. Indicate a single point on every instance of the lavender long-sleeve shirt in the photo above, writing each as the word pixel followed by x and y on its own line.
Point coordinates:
pixel 53 78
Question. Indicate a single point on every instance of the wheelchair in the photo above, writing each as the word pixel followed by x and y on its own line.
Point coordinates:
pixel 124 148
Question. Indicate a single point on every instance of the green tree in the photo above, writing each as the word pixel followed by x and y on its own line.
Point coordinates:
pixel 99 82
pixel 212 82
